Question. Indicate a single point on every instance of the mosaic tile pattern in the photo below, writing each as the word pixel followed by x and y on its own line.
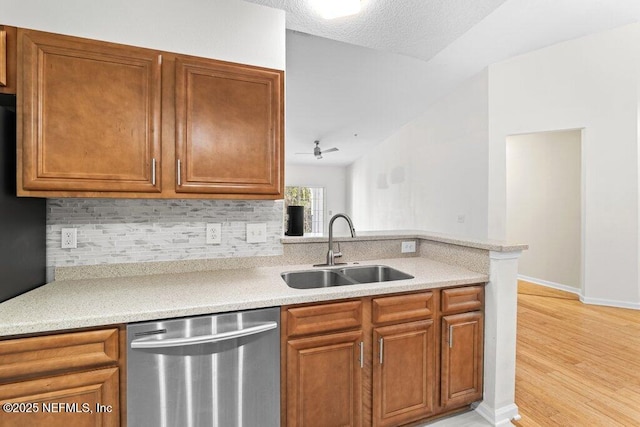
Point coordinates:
pixel 293 254
pixel 134 230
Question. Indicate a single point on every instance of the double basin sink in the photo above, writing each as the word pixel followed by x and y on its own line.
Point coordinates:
pixel 326 277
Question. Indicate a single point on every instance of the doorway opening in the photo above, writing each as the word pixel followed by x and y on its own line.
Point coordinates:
pixel 545 207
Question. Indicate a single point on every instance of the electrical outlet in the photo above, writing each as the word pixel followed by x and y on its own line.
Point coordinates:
pixel 214 234
pixel 257 233
pixel 461 218
pixel 69 238
pixel 408 247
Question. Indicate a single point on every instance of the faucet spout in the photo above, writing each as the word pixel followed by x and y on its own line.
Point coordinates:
pixel 331 256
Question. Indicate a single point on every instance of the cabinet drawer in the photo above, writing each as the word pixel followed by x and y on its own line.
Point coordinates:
pixel 402 308
pixel 46 355
pixel 82 392
pixel 462 299
pixel 324 318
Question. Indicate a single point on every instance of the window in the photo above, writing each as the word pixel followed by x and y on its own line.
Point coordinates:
pixel 312 198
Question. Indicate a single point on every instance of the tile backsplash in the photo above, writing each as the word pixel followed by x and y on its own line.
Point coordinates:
pixel 142 230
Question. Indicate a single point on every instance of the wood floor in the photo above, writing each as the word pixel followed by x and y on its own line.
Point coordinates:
pixel 577 365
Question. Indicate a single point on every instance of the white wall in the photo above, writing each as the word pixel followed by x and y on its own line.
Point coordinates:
pixel 589 83
pixel 234 31
pixel 431 171
pixel 453 158
pixel 544 205
pixel 334 181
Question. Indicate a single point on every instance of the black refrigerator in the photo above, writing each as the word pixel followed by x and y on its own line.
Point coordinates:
pixel 22 219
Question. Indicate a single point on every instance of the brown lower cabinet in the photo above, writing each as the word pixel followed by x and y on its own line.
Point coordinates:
pixel 403 374
pixel 63 380
pixel 325 389
pixel 462 343
pixel 375 361
pixel 382 361
pixel 461 358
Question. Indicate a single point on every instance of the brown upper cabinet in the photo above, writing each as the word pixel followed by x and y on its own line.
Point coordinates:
pixel 7 59
pixel 90 115
pixel 227 137
pixel 98 119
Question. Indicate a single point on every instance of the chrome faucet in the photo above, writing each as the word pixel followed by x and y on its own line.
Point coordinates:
pixel 331 256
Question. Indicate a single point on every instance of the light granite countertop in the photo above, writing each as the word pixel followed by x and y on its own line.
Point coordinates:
pixel 490 245
pixel 72 304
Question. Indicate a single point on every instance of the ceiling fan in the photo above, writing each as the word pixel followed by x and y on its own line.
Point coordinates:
pixel 317 151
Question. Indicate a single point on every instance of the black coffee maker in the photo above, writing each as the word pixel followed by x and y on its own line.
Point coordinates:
pixel 296 221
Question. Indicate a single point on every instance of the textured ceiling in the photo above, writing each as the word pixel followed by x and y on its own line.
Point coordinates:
pixel 417 28
pixel 335 90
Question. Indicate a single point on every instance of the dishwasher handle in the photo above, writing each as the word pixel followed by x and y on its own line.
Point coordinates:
pixel 203 339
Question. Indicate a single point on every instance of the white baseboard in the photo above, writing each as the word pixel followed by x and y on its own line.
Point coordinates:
pixel 610 303
pixel 499 417
pixel 548 284
pixel 583 299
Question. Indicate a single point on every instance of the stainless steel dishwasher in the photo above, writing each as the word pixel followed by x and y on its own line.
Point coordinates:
pixel 218 370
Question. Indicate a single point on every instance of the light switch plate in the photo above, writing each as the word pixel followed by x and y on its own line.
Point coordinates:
pixel 257 233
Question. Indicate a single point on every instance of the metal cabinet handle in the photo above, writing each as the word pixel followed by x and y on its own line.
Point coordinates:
pixel 179 174
pixel 153 171
pixel 381 349
pixel 361 354
pixel 450 336
pixel 203 339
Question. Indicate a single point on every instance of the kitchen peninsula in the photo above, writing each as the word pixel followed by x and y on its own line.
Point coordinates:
pixel 87 297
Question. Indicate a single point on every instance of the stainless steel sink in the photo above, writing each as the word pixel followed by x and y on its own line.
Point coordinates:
pixel 374 273
pixel 315 279
pixel 309 279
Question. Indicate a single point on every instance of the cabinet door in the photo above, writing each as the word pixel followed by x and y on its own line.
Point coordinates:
pixel 403 372
pixel 7 59
pixel 89 114
pixel 462 358
pixel 81 399
pixel 229 128
pixel 324 377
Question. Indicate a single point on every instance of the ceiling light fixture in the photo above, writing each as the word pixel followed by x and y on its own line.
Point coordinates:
pixel 330 9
